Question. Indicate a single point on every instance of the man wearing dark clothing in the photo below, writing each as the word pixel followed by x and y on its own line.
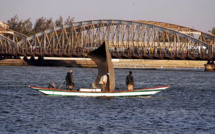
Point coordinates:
pixel 69 81
pixel 130 81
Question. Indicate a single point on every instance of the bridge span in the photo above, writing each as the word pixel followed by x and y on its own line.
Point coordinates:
pixel 126 39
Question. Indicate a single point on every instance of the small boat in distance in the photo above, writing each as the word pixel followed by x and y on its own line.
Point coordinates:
pixel 102 57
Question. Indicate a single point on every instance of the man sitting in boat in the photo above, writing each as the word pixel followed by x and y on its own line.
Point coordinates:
pixel 130 81
pixel 52 85
pixel 69 81
pixel 103 82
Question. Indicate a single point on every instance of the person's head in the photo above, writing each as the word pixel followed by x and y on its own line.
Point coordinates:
pixel 70 71
pixel 130 72
pixel 108 74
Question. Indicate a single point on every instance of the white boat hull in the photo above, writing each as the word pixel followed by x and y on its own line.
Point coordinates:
pixel 137 92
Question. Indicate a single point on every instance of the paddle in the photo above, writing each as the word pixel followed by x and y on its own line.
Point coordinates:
pixel 62 84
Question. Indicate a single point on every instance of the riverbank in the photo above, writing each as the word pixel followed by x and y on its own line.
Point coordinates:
pixel 12 62
pixel 118 63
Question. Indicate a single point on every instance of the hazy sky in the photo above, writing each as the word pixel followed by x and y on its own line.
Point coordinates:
pixel 199 14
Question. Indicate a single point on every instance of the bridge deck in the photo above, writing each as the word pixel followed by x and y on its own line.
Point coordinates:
pixel 119 55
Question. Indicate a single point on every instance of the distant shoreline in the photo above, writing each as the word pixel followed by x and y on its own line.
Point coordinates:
pixel 118 63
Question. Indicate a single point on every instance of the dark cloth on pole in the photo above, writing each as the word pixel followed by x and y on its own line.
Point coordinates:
pixel 129 80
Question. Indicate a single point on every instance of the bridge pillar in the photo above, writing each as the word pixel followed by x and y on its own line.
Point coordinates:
pixel 25 58
pixel 32 58
pixel 40 58
pixel 210 66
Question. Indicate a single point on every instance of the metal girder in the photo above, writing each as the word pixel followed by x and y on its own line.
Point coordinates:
pixel 6 39
pixel 180 28
pixel 115 22
pixel 12 32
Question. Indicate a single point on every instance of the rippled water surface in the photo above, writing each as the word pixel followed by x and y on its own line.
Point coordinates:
pixel 188 106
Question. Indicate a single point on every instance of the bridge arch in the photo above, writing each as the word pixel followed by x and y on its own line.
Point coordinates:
pixel 181 29
pixel 150 24
pixel 9 39
pixel 119 33
pixel 139 39
pixel 205 37
pixel 12 35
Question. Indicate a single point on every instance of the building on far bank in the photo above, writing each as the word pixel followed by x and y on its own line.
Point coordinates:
pixel 3 25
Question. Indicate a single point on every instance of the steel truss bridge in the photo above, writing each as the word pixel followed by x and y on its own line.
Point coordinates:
pixel 126 39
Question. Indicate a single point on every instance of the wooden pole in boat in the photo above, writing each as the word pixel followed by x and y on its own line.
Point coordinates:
pixel 90 67
pixel 61 85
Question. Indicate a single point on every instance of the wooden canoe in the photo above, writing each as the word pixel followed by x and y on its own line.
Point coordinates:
pixel 96 93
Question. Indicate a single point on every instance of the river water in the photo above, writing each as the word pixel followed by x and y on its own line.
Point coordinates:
pixel 188 106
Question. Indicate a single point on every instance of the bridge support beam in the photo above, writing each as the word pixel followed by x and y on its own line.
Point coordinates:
pixel 40 58
pixel 32 58
pixel 25 58
pixel 210 66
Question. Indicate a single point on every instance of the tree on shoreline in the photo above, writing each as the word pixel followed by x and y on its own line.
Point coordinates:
pixel 39 25
pixel 59 21
pixel 26 27
pixel 69 20
pixel 13 22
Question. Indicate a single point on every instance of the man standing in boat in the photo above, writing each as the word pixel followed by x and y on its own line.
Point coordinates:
pixel 130 81
pixel 103 82
pixel 69 81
